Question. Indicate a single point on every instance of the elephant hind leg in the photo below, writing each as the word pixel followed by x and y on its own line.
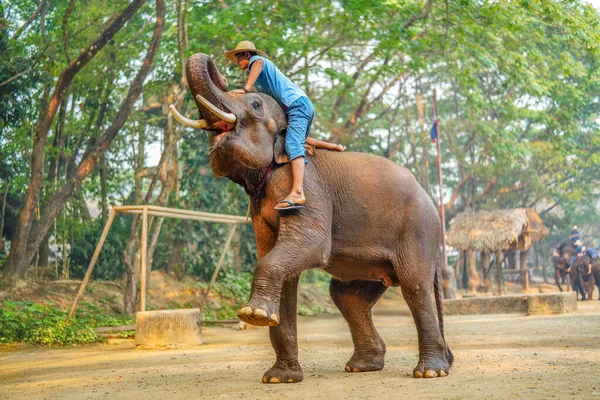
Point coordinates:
pixel 416 281
pixel 355 300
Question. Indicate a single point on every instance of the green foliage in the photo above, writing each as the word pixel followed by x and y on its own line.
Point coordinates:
pixel 311 312
pixel 202 191
pixel 517 85
pixel 234 290
pixel 110 262
pixel 47 325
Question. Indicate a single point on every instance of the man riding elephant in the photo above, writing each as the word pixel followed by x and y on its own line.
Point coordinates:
pixel 366 221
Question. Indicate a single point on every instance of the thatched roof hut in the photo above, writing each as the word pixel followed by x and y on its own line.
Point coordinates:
pixel 499 230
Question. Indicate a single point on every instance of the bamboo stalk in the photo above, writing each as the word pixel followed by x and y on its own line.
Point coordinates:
pixel 90 269
pixel 143 259
pixel 174 211
pixel 239 220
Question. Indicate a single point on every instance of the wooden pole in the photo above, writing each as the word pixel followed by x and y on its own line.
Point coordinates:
pixel 499 275
pixel 143 259
pixel 145 211
pixel 218 267
pixel 440 183
pixel 485 265
pixel 524 271
pixel 90 269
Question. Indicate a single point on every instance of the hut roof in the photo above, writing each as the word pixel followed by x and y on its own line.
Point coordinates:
pixel 498 230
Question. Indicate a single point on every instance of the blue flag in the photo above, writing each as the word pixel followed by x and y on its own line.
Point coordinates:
pixel 434 132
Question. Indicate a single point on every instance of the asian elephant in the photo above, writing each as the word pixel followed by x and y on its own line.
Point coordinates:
pixel 366 221
pixel 586 282
pixel 565 251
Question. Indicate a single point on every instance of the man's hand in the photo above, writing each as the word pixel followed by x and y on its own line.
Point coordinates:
pixel 240 91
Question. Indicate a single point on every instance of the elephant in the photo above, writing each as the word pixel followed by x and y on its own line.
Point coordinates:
pixel 366 221
pixel 565 251
pixel 586 282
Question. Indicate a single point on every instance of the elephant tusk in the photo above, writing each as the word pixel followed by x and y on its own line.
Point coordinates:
pixel 198 123
pixel 227 117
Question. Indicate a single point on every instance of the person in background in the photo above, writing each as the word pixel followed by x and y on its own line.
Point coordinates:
pixel 575 234
pixel 591 253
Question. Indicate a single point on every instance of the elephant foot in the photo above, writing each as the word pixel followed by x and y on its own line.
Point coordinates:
pixel 259 316
pixel 278 374
pixel 433 366
pixel 363 363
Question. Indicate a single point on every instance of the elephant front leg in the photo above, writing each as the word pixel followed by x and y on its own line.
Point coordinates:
pixel 557 278
pixel 284 339
pixel 281 263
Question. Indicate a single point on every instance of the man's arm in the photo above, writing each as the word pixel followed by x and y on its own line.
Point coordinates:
pixel 253 76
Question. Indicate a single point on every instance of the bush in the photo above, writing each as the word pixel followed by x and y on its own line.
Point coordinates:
pixel 47 325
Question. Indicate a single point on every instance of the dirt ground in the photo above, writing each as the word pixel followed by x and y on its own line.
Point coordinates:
pixel 497 357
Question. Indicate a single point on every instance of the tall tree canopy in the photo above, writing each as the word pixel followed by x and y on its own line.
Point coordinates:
pixel 517 83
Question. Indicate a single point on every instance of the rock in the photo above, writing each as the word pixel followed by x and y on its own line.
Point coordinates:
pixel 168 328
pixel 530 304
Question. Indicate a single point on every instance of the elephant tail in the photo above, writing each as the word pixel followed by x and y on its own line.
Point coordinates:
pixel 437 290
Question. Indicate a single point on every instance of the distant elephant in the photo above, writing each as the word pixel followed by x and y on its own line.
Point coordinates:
pixel 366 221
pixel 564 252
pixel 586 282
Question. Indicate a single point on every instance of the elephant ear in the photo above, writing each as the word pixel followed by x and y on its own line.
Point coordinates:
pixel 279 153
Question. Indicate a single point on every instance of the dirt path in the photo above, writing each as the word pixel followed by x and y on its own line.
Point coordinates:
pixel 498 357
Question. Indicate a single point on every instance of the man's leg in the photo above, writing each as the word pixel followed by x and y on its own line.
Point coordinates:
pixel 299 121
pixel 319 144
pixel 297 194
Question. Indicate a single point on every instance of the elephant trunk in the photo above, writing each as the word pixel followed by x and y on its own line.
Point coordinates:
pixel 208 88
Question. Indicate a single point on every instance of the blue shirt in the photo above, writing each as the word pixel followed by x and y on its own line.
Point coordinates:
pixel 591 253
pixel 273 82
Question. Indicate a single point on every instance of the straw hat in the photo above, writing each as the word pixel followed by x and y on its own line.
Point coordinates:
pixel 244 45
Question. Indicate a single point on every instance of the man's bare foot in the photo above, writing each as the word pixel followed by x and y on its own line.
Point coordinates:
pixel 293 199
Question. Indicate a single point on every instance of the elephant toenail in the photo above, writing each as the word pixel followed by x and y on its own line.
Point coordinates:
pixel 260 313
pixel 274 319
pixel 417 374
pixel 274 379
pixel 265 379
pixel 430 374
pixel 348 369
pixel 290 380
pixel 355 369
pixel 245 312
pixel 443 373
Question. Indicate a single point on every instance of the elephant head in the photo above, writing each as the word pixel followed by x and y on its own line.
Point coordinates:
pixel 246 131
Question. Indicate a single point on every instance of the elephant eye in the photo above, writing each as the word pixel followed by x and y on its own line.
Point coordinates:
pixel 256 105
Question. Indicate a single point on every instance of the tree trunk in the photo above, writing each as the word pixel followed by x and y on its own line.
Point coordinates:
pixel 44 252
pixel 524 271
pixel 465 273
pixel 425 144
pixel 21 253
pixel 474 279
pixel 87 165
pixel 103 190
pixel 133 276
pixel 485 266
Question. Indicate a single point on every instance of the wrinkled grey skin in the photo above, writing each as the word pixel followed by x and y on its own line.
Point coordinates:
pixel 367 222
